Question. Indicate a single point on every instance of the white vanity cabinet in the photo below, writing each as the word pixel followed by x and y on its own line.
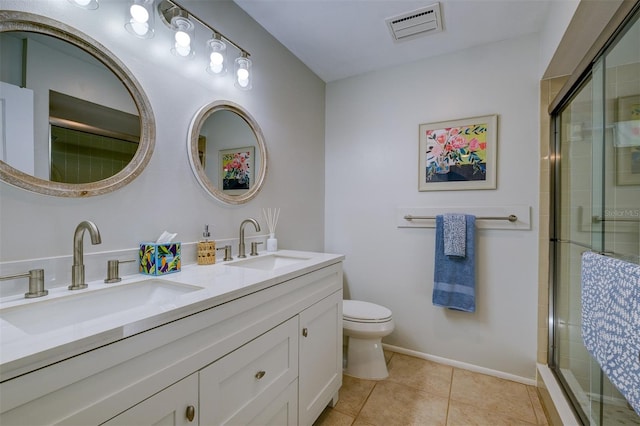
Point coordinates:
pixel 273 356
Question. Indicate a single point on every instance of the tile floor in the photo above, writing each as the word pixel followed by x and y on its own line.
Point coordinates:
pixel 421 392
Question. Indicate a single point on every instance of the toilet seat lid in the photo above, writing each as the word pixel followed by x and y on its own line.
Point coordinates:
pixel 359 311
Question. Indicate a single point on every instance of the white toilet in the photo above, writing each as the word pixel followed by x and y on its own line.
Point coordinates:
pixel 365 324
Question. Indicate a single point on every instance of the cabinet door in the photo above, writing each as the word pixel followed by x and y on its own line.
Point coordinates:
pixel 320 357
pixel 175 405
pixel 241 385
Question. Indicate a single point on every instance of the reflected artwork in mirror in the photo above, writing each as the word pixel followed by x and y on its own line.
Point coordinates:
pixel 76 122
pixel 227 152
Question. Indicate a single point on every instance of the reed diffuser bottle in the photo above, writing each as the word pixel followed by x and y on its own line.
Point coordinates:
pixel 206 249
pixel 271 217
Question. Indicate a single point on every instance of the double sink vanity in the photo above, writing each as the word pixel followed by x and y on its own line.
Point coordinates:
pixel 251 341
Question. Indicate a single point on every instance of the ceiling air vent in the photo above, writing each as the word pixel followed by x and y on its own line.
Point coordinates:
pixel 417 23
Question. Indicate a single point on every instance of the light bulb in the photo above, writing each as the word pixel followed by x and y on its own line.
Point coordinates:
pixel 138 13
pixel 182 39
pixel 183 43
pixel 217 50
pixel 140 22
pixel 215 62
pixel 243 74
pixel 216 58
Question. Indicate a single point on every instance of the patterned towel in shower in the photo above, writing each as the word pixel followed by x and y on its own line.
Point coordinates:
pixel 611 320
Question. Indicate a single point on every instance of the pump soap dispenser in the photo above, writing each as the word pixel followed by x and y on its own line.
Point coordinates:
pixel 206 249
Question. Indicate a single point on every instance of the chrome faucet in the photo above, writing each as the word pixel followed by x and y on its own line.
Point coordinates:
pixel 241 248
pixel 77 270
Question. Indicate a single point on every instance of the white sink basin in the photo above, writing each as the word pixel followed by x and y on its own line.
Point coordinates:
pixel 269 262
pixel 76 308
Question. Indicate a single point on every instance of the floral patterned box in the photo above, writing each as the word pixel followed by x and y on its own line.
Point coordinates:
pixel 159 259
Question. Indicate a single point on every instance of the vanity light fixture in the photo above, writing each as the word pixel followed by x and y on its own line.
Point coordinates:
pixel 141 18
pixel 217 55
pixel 243 71
pixel 182 22
pixel 85 4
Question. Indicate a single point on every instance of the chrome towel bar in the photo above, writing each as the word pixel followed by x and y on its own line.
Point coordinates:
pixel 510 218
pixel 615 219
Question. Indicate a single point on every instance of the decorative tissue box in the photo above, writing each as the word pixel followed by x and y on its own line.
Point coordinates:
pixel 159 259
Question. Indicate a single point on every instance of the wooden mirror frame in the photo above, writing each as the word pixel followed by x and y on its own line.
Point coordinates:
pixel 28 22
pixel 194 158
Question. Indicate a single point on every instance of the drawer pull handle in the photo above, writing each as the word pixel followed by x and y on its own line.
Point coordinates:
pixel 305 332
pixel 260 374
pixel 191 413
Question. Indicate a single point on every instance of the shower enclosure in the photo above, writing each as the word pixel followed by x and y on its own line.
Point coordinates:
pixel 596 206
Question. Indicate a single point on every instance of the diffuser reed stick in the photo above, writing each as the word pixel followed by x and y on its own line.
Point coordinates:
pixel 271 216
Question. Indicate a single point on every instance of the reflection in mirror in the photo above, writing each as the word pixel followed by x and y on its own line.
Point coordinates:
pixel 227 152
pixel 76 122
pixel 89 142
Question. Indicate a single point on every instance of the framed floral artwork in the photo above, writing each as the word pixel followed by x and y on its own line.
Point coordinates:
pixel 236 169
pixel 458 154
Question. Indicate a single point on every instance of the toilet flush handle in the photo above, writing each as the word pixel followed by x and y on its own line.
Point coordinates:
pixel 305 332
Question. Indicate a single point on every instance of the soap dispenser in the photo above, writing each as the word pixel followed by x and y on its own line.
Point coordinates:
pixel 206 249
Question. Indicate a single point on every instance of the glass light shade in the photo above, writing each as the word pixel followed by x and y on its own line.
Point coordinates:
pixel 141 19
pixel 183 38
pixel 85 4
pixel 217 56
pixel 243 72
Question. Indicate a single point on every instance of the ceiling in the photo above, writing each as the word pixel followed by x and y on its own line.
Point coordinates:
pixel 342 38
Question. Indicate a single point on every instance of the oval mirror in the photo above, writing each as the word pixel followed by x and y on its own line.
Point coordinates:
pixel 76 123
pixel 227 152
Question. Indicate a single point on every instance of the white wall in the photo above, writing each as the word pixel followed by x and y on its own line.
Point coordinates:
pixel 558 19
pixel 287 101
pixel 371 169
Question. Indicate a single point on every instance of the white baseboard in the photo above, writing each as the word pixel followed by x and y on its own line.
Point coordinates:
pixel 463 365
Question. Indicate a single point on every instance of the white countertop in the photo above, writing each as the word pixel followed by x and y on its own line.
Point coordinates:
pixel 21 352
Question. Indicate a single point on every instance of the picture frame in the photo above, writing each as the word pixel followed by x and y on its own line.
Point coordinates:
pixel 627 140
pixel 236 166
pixel 628 166
pixel 458 154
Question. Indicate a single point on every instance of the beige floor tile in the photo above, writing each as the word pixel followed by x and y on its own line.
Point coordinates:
pixel 353 394
pixel 541 417
pixel 394 404
pixel 492 394
pixel 330 417
pixel 420 374
pixel 461 414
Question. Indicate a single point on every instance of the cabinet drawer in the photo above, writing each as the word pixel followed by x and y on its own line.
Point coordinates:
pixel 175 405
pixel 236 388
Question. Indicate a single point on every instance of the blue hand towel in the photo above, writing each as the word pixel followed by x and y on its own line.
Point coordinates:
pixel 611 320
pixel 454 282
pixel 455 234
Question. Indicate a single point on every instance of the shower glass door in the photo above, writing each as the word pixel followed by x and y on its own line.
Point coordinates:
pixel 596 207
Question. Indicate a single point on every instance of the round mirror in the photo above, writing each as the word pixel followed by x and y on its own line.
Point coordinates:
pixel 227 152
pixel 75 122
